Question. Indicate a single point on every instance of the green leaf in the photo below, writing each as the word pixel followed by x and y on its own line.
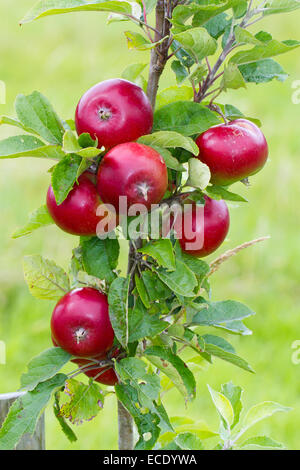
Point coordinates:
pixel 64 176
pixel 39 218
pixel 216 26
pixel 133 370
pixel 56 7
pixel 199 267
pixel 182 281
pixel 142 324
pixel 233 393
pixel 189 441
pixel 218 313
pixel 14 122
pixel 28 146
pixel 45 279
pixel 68 432
pixel 185 117
pixel 133 73
pixel 170 139
pixel 219 192
pixel 262 441
pixel 180 71
pixel 35 112
pixel 139 42
pixel 172 94
pixel 44 367
pixel 220 348
pixel 118 308
pixel 141 289
pixel 85 401
pixel 232 78
pixel 263 71
pixel 199 174
pixel 155 288
pixel 280 6
pixel 223 406
pixel 243 36
pixel 100 257
pixel 170 161
pixel 261 411
pixel 162 252
pixel 210 10
pixel 265 51
pixel 25 411
pixel 197 42
pixel 173 367
pixel 146 423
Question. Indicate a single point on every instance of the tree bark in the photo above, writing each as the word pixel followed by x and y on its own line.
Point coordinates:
pixel 27 442
pixel 125 422
pixel 159 57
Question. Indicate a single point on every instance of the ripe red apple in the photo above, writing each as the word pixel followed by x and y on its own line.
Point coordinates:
pixel 204 228
pixel 114 111
pixel 77 214
pixel 80 323
pixel 133 170
pixel 233 151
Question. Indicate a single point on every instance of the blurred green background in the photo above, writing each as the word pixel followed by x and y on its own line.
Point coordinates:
pixel 62 57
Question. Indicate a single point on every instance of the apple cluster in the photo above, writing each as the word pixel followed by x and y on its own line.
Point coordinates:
pixel 116 113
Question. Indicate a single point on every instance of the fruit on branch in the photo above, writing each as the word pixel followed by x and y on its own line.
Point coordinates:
pixel 104 375
pixel 114 111
pixel 233 151
pixel 133 170
pixel 77 214
pixel 80 323
pixel 201 230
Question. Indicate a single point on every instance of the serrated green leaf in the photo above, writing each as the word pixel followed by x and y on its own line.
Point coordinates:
pixel 15 123
pixel 220 348
pixel 217 313
pixel 261 411
pixel 173 94
pixel 85 401
pixel 219 192
pixel 142 324
pixel 173 367
pixel 28 146
pixel 188 441
pixel 25 411
pixel 265 51
pixel 43 367
pixel 180 71
pixel 35 112
pixel 45 279
pixel 280 6
pixel 263 71
pixel 262 441
pixel 64 176
pixel 223 406
pixel 39 218
pixel 232 78
pixel 100 257
pixel 118 308
pixel 68 432
pixel 156 289
pixel 55 7
pixel 170 139
pixel 234 394
pixel 197 42
pixel 186 118
pixel 162 252
pixel 139 42
pixel 182 281
pixel 170 161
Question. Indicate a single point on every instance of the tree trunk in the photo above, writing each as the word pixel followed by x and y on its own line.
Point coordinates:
pixel 125 428
pixel 27 442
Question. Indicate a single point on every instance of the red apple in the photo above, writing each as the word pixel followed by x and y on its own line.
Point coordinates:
pixel 202 230
pixel 114 111
pixel 77 214
pixel 80 323
pixel 133 170
pixel 233 151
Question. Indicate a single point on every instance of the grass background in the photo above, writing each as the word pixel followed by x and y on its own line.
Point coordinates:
pixel 62 57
